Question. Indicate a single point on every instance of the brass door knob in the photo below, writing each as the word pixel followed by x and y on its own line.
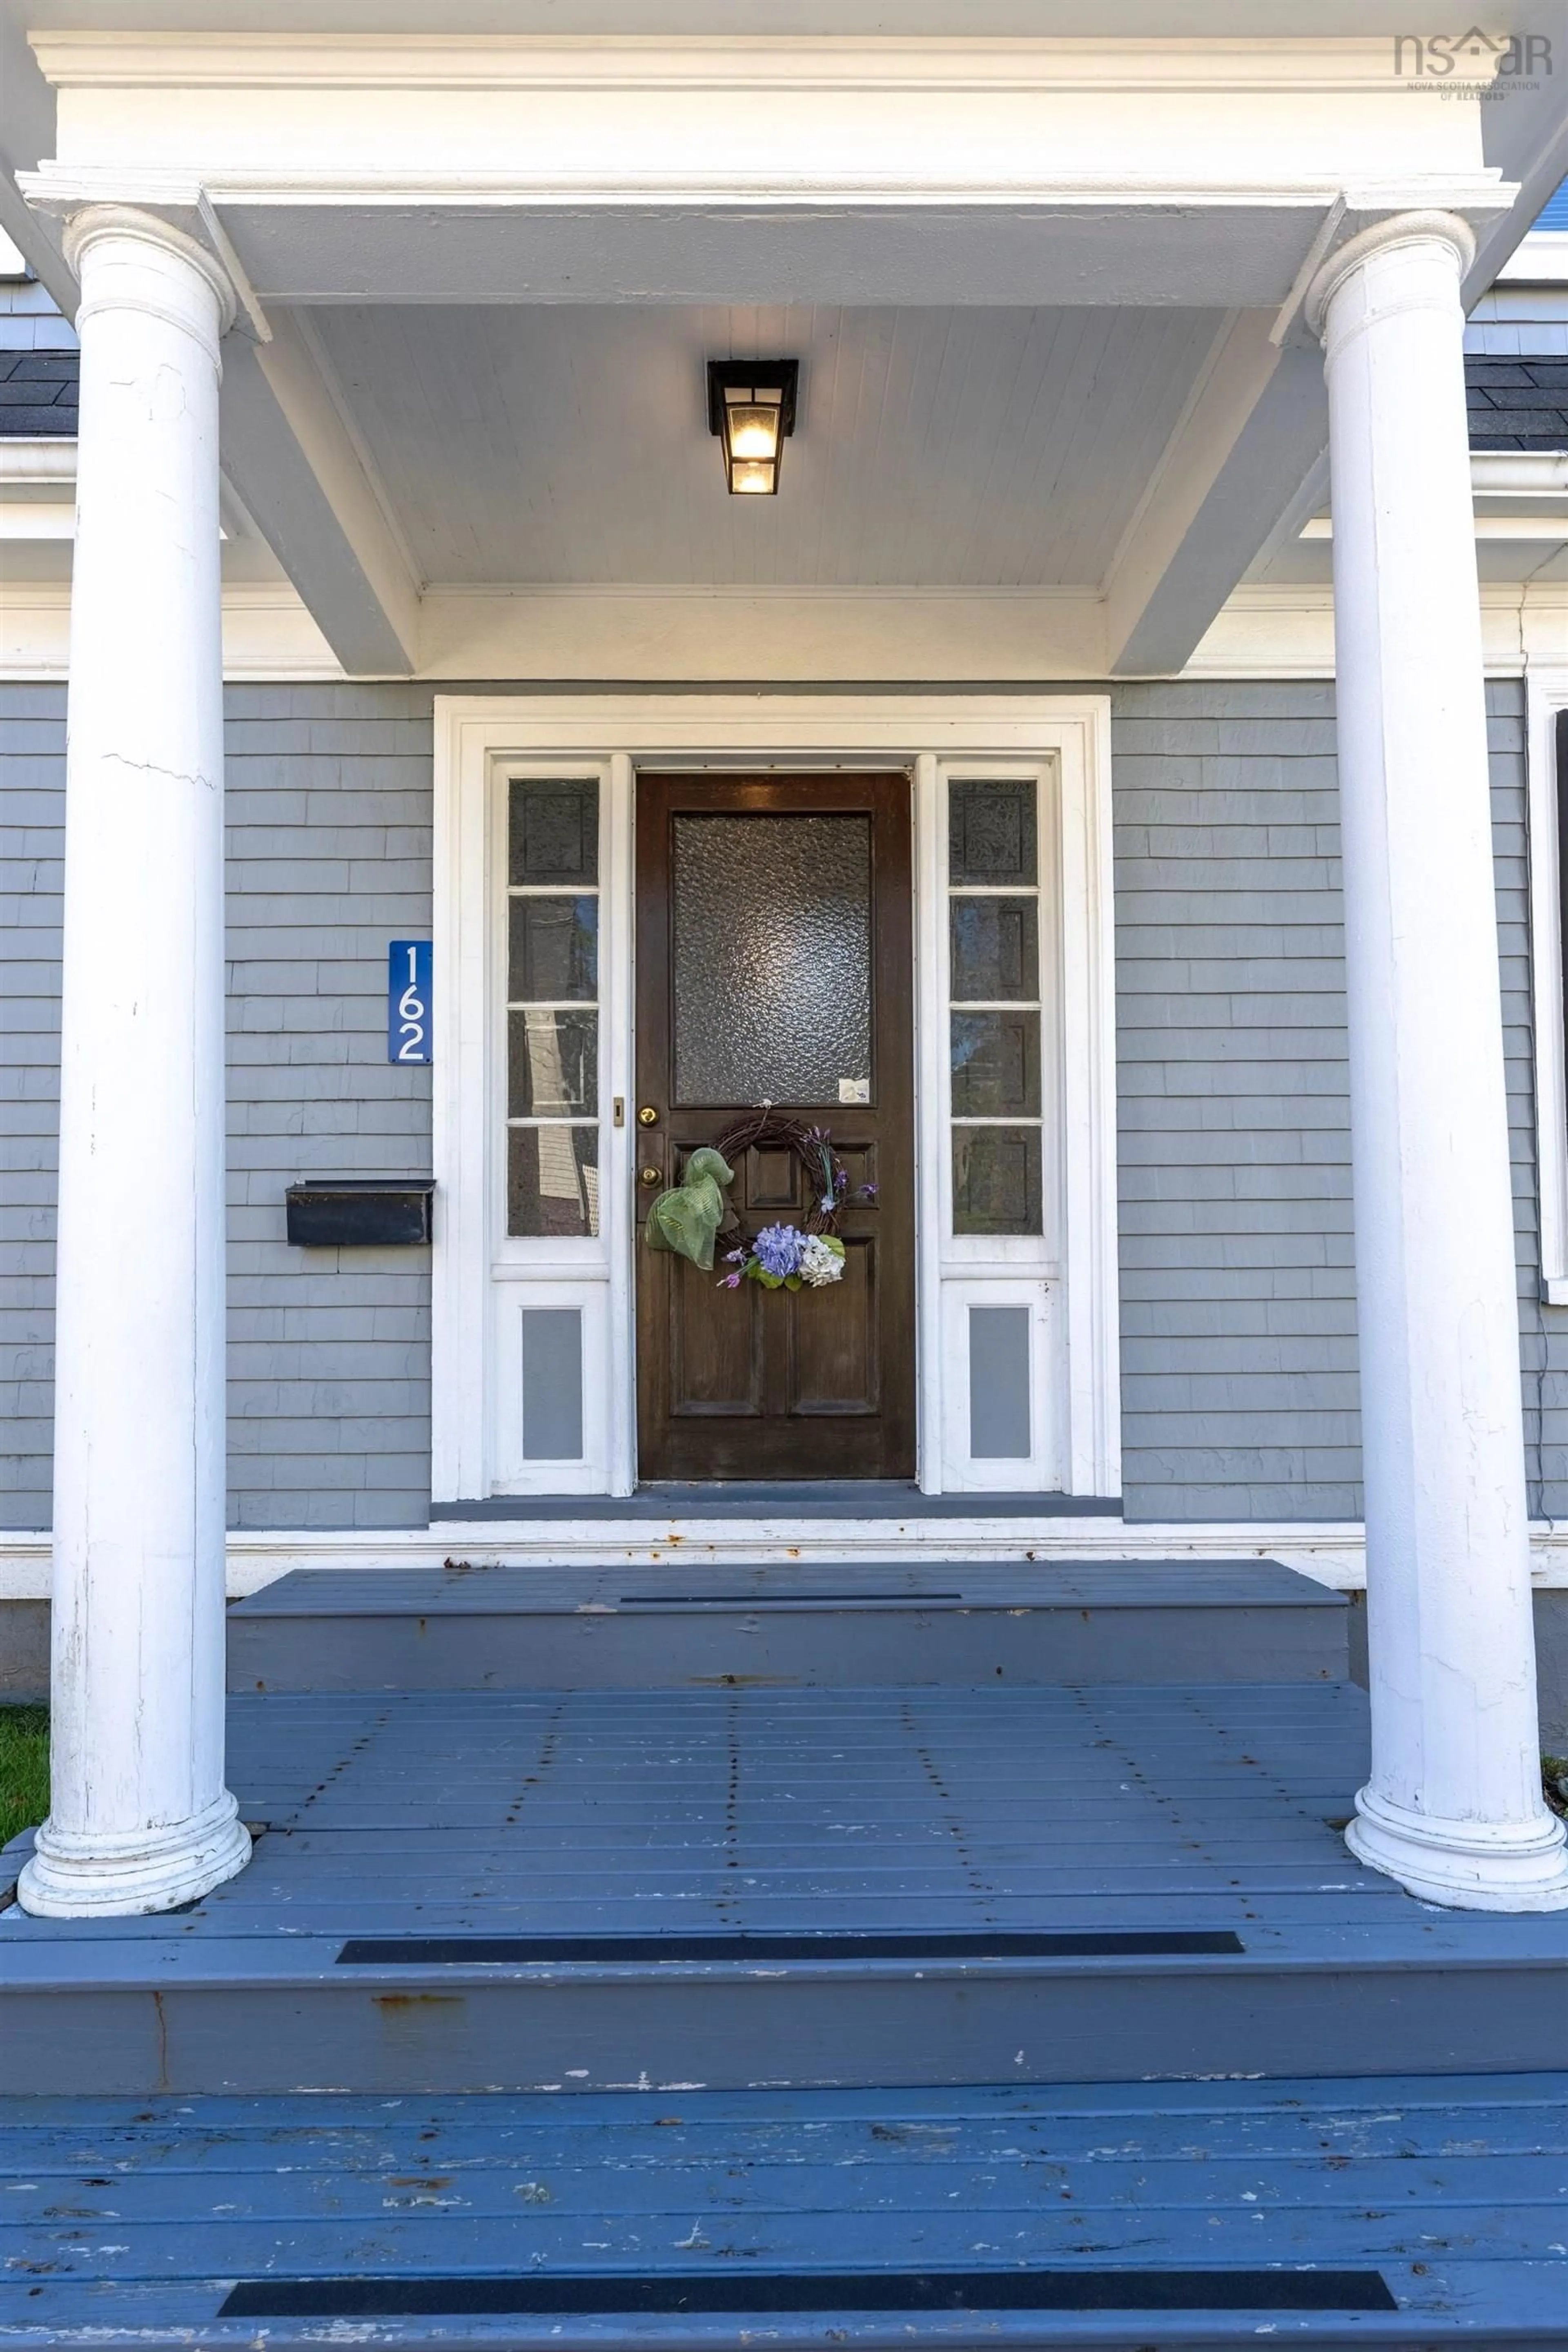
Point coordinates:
pixel 652 1175
pixel 648 1116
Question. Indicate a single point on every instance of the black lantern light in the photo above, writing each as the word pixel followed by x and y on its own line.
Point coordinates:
pixel 750 409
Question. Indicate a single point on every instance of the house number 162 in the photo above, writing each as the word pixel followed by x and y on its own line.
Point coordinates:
pixel 408 992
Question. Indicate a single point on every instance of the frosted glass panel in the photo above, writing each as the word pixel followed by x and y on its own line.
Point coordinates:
pixel 552 1384
pixel 991 834
pixel 995 1064
pixel 995 950
pixel 554 950
pixel 553 832
pixel 996 1179
pixel 553 1063
pixel 999 1383
pixel 553 1181
pixel 772 958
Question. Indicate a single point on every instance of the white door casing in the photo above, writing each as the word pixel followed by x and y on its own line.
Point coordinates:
pixel 484 1281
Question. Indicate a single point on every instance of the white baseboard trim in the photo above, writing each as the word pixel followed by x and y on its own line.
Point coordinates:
pixel 1332 1552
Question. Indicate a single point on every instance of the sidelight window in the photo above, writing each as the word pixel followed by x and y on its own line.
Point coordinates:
pixel 994 1005
pixel 552 1008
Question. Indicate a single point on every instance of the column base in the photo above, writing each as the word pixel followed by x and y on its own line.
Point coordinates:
pixel 72 1876
pixel 1463 1865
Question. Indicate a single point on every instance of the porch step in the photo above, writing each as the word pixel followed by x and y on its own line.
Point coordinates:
pixel 687 1624
pixel 587 1891
pixel 1395 2212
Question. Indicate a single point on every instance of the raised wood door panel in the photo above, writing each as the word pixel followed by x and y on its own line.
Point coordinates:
pixel 775 958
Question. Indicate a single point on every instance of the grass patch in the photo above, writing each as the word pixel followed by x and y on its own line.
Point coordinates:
pixel 1554 1780
pixel 24 1769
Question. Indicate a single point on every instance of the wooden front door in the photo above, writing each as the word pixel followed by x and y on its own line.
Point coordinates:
pixel 774 962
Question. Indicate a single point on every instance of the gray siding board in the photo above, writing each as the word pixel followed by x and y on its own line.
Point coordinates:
pixel 1229 1217
pixel 1239 1395
pixel 1237 1285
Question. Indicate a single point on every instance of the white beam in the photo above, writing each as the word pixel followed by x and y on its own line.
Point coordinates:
pixel 289 454
pixel 1255 427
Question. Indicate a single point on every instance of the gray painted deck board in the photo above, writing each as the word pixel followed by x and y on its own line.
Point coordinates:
pixel 687 1623
pixel 913 1812
pixel 134 2219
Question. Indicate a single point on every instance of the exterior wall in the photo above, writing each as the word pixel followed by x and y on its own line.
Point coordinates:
pixel 32 765
pixel 329 831
pixel 1239 1382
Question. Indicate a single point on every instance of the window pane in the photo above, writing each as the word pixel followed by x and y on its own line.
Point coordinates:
pixel 995 1064
pixel 553 1180
pixel 554 948
pixel 992 834
pixel 551 1384
pixel 553 1063
pixel 554 833
pixel 996 1179
pixel 995 949
pixel 772 958
pixel 999 1383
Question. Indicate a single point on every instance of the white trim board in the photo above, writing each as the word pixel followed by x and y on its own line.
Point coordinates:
pixel 1546 694
pixel 478 737
pixel 1333 1552
pixel 891 637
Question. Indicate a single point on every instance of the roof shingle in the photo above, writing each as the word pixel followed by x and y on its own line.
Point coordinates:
pixel 38 394
pixel 1517 404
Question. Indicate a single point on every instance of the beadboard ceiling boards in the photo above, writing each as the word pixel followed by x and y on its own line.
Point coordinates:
pixel 935 448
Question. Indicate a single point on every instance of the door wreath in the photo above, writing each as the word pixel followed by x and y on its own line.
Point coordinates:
pixel 786 1257
pixel 690 1218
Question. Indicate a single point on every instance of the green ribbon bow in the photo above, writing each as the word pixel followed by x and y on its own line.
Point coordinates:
pixel 688 1219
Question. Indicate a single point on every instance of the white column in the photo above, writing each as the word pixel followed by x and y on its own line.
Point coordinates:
pixel 140 1817
pixel 1453 1808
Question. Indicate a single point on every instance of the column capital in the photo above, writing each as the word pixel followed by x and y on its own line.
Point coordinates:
pixel 95 226
pixel 1401 229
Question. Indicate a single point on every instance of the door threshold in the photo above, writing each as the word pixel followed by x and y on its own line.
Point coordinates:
pixel 825 1498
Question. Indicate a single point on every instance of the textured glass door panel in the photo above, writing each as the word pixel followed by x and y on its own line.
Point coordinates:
pixel 553 1063
pixel 995 950
pixel 772 965
pixel 990 834
pixel 554 951
pixel 995 1064
pixel 553 1181
pixel 553 832
pixel 996 1179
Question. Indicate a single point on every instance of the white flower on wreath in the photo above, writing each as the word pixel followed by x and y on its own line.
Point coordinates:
pixel 820 1263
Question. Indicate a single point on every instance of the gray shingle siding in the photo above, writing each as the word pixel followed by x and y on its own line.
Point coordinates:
pixel 1238 1386
pixel 329 856
pixel 1238 1318
pixel 1239 1382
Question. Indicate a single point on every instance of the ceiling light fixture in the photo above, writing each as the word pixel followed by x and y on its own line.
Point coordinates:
pixel 750 410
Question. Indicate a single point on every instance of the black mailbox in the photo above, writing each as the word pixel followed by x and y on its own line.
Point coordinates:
pixel 360 1212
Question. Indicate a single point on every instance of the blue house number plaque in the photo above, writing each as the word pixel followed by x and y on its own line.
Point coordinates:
pixel 408 1031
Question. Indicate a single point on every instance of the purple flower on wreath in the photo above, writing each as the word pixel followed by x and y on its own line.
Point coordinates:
pixel 737 1258
pixel 777 1250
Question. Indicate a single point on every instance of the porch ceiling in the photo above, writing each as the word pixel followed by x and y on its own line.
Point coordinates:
pixel 935 448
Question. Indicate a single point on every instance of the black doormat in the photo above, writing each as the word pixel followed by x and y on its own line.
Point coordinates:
pixel 993 1944
pixel 542 2297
